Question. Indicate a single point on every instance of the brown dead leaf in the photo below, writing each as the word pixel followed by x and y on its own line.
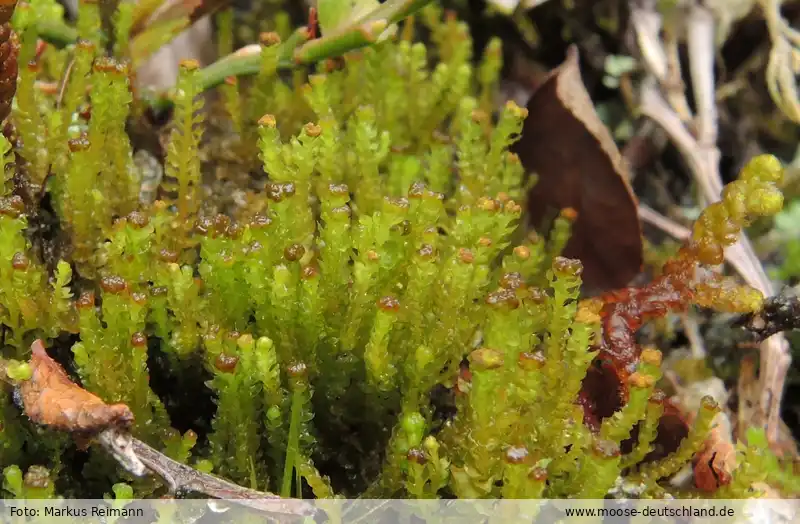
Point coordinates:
pixel 578 166
pixel 714 464
pixel 50 398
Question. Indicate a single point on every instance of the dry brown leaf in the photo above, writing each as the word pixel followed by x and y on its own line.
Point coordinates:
pixel 578 166
pixel 51 399
pixel 714 464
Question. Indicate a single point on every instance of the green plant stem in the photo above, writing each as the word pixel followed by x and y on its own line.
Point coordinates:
pixel 57 33
pixel 361 33
pixel 296 50
pixel 293 446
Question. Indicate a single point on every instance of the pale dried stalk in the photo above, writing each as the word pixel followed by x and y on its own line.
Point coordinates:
pixel 675 89
pixel 775 358
pixel 647 24
pixel 702 157
pixel 783 60
pixel 668 226
pixel 692 331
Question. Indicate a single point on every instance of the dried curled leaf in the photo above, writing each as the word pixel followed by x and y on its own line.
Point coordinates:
pixel 714 464
pixel 578 166
pixel 51 399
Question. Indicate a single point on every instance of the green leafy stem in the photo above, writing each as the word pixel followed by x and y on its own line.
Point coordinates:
pixel 298 50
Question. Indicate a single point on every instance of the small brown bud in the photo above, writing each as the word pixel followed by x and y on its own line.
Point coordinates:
pixel 138 219
pixel 80 143
pixel 203 226
pixel 268 121
pixel 297 370
pixel 189 64
pixel 344 211
pixel 138 340
pixel 569 213
pixel 538 474
pixel 312 130
pixel 288 189
pixel 641 381
pixel 85 45
pixel 113 284
pixel 226 363
pixel 269 39
pixel 651 356
pixel 417 456
pixel 512 280
pixel 294 252
pixel 399 203
pixel 536 296
pixel 389 304
pixel 417 190
pixel 503 297
pixel 487 204
pixel 37 477
pixel 260 222
pixel 605 448
pixel 12 206
pixel 234 231
pixel 20 262
pixel 478 116
pixel 531 361
pixel 568 266
pixel 309 272
pixel 221 223
pixel 516 455
pixel 426 251
pixel 486 358
pixel 168 256
pixel 339 190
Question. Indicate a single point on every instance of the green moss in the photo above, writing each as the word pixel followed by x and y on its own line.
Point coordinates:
pixel 377 267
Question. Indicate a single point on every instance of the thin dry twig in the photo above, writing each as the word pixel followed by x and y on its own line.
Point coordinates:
pixel 692 331
pixel 667 225
pixel 647 23
pixel 675 88
pixel 138 458
pixel 181 478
